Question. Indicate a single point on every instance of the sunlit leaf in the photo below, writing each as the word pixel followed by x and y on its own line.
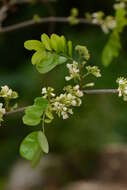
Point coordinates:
pixel 46 42
pixel 51 61
pixel 38 56
pixel 33 45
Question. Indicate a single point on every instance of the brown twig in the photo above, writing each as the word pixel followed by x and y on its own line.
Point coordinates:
pixel 8 4
pixel 87 92
pixel 41 21
pixel 101 91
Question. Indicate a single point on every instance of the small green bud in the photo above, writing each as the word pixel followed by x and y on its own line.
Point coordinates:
pixel 36 18
pixel 74 12
pixel 83 51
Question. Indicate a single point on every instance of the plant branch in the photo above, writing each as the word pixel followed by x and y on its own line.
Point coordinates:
pixel 88 92
pixel 101 91
pixel 8 5
pixel 32 22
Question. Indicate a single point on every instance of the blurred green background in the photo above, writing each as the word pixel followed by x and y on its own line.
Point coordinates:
pixel 101 120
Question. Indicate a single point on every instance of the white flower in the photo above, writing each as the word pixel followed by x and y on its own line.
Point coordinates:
pixel 79 93
pixel 70 111
pixel 52 94
pixel 67 78
pixel 120 5
pixel 65 115
pixel 125 91
pixel 44 91
pixel 48 92
pixel 69 96
pixel 65 108
pixel 94 70
pixel 76 87
pixel 122 87
pixel 74 103
pixel 6 92
pixel 73 71
pixel 2 110
pixel 62 104
pixel 89 84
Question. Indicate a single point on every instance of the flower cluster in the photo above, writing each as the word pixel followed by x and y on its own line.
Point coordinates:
pixel 73 71
pixel 2 112
pixel 8 93
pixel 107 23
pixel 62 104
pixel 94 70
pixel 121 4
pixel 97 17
pixel 122 89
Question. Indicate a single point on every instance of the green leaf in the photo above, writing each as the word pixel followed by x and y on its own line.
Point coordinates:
pixel 63 44
pixel 70 48
pixel 38 56
pixel 37 158
pixel 41 102
pixel 33 113
pixel 54 42
pixel 51 61
pixel 31 119
pixel 61 60
pixel 30 147
pixel 112 48
pixel 57 43
pixel 46 42
pixel 121 19
pixel 33 45
pixel 43 142
pixel 47 64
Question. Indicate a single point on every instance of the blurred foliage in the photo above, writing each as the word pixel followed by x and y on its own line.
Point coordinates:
pixel 100 121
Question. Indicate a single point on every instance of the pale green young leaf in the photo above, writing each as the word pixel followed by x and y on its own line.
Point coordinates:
pixel 46 42
pixel 69 48
pixel 43 142
pixel 31 119
pixel 36 159
pixel 63 44
pixel 30 146
pixel 56 43
pixel 61 59
pixel 47 64
pixel 33 113
pixel 33 45
pixel 121 19
pixel 38 56
pixel 53 40
pixel 41 102
pixel 50 62
pixel 112 48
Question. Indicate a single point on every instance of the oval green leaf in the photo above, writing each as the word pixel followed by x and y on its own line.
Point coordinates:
pixel 33 45
pixel 46 41
pixel 43 142
pixel 30 147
